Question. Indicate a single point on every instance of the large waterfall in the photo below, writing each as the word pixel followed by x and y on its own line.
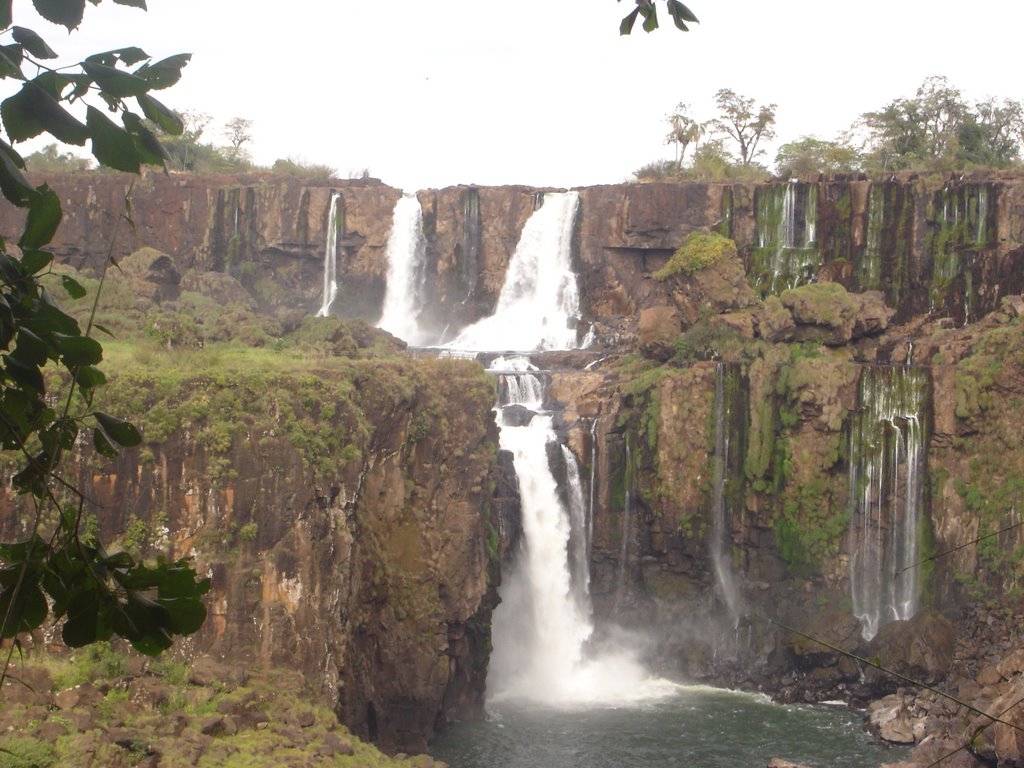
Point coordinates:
pixel 542 628
pixel 330 259
pixel 887 475
pixel 403 300
pixel 538 307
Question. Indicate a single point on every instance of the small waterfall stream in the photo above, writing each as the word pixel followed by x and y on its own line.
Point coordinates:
pixel 330 292
pixel 888 445
pixel 403 299
pixel 787 253
pixel 721 549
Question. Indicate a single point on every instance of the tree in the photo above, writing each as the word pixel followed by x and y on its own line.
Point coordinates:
pixel 684 131
pixel 648 11
pixel 51 160
pixel 58 569
pixel 237 130
pixel 744 122
pixel 809 155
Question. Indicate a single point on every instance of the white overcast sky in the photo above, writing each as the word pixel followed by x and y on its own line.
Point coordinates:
pixel 429 93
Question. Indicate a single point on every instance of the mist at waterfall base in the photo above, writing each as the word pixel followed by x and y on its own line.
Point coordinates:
pixel 558 695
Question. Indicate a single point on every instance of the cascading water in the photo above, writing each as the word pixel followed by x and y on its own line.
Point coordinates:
pixel 720 542
pixel 330 259
pixel 541 629
pixel 869 272
pixel 403 300
pixel 787 253
pixel 887 452
pixel 538 307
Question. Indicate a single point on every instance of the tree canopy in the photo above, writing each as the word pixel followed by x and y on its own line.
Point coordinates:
pixel 56 569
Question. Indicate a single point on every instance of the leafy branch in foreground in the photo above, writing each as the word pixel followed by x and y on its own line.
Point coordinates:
pixel 648 11
pixel 57 570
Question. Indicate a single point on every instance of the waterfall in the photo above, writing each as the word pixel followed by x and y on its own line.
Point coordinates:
pixel 403 300
pixel 627 509
pixel 542 629
pixel 887 452
pixel 787 253
pixel 538 306
pixel 721 550
pixel 869 273
pixel 330 259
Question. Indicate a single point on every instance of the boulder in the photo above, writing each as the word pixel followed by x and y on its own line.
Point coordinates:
pixel 151 275
pixel 921 648
pixel 657 330
pixel 891 721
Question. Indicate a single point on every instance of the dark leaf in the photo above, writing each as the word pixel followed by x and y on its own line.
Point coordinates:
pixel 83 624
pixel 103 329
pixel 133 3
pixel 33 110
pixel 73 287
pixel 148 145
pixel 31 350
pixel 20 114
pixel 626 26
pixel 33 43
pixel 102 444
pixel 33 260
pixel 164 73
pixel 10 61
pixel 25 605
pixel 680 14
pixel 78 350
pixel 186 614
pixel 67 13
pixel 167 119
pixel 113 81
pixel 6 17
pixel 50 318
pixel 127 56
pixel 112 145
pixel 89 377
pixel 120 431
pixel 650 14
pixel 25 375
pixel 13 184
pixel 43 218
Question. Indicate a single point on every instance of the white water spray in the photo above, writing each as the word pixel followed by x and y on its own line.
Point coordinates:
pixel 330 259
pixel 403 300
pixel 541 630
pixel 539 302
pixel 887 475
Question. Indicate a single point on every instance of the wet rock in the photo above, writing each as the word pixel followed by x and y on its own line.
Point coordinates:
pixel 890 720
pixel 921 649
pixel 657 330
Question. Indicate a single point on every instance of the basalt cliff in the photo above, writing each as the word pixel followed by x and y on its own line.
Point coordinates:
pixel 810 431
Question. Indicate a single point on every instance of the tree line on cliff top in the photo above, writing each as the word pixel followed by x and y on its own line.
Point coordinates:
pixel 936 129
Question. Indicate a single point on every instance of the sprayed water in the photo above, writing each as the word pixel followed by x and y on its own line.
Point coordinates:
pixel 887 476
pixel 538 307
pixel 403 300
pixel 330 292
pixel 542 628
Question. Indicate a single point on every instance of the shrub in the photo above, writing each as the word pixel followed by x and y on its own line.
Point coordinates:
pixel 701 250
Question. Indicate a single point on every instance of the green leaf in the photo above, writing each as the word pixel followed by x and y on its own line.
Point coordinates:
pixel 650 14
pixel 167 119
pixel 133 3
pixel 102 444
pixel 127 56
pixel 33 110
pixel 113 81
pixel 120 431
pixel 31 349
pixel 164 73
pixel 78 350
pixel 33 261
pixel 26 376
pixel 26 606
pixel 6 17
pixel 89 377
pixel 43 218
pixel 150 149
pixel 74 288
pixel 67 13
pixel 186 614
pixel 13 184
pixel 83 624
pixel 680 11
pixel 112 146
pixel 11 57
pixel 20 114
pixel 626 27
pixel 33 43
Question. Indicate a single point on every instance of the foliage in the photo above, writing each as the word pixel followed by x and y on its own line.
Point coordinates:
pixel 701 250
pixel 938 130
pixel 51 160
pixel 303 170
pixel 55 570
pixel 648 11
pixel 809 155
pixel 744 122
pixel 684 131
pixel 188 153
pixel 17 751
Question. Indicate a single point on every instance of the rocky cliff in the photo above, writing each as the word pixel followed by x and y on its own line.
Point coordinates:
pixel 751 423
